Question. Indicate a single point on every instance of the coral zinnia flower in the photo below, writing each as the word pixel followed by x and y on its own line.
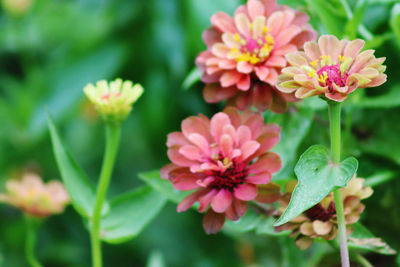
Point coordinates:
pixel 34 197
pixel 320 220
pixel 223 159
pixel 245 54
pixel 331 67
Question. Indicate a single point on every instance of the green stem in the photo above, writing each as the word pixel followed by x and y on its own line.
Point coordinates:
pixel 31 225
pixel 112 142
pixel 334 119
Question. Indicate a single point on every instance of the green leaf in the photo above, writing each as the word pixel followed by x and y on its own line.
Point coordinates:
pixel 163 186
pixel 395 21
pixel 193 77
pixel 317 177
pixel 295 126
pixel 130 213
pixel 363 239
pixel 266 227
pixel 379 178
pixel 358 16
pixel 81 191
pixel 247 223
pixel 331 21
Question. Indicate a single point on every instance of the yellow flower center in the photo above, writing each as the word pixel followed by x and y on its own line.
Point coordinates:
pixel 254 49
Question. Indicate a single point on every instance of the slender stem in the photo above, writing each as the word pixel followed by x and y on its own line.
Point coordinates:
pixel 362 261
pixel 334 119
pixel 112 143
pixel 31 225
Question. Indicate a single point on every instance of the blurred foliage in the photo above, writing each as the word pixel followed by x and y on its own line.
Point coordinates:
pixel 49 49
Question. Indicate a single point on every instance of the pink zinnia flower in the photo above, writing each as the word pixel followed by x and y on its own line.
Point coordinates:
pixel 332 68
pixel 245 54
pixel 223 159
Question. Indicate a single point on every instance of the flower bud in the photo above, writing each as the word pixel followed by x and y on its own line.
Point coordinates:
pixel 113 100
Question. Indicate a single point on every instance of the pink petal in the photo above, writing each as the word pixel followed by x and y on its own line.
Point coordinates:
pixel 214 93
pixel 287 34
pixel 243 135
pixel 237 210
pixel 200 142
pixel 268 140
pixel 226 64
pixel 274 22
pixel 353 48
pixel 284 50
pixel 242 24
pixel 234 116
pixel 249 148
pixel 185 182
pixel 213 222
pixel 259 178
pixel 230 78
pixel 262 72
pixel 220 50
pixel 255 8
pixel 178 159
pixel 304 36
pixel 312 51
pixel 191 152
pixel 221 201
pixel 336 96
pixel 218 122
pixel 164 172
pixel 268 162
pixel 206 199
pixel 246 192
pixel 255 123
pixel 211 36
pixel 272 77
pixel 276 61
pixel 176 139
pixel 223 22
pixel 297 59
pixel 226 145
pixel 244 67
pixel 194 124
pixel 244 83
pixel 328 44
pixel 262 96
pixel 189 200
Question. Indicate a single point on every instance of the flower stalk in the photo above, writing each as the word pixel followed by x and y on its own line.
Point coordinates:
pixel 31 225
pixel 334 119
pixel 113 131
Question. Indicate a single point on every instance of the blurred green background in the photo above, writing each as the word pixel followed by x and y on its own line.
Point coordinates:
pixel 50 49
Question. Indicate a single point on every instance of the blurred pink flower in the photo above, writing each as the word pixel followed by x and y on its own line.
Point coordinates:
pixel 223 159
pixel 245 54
pixel 34 197
pixel 332 68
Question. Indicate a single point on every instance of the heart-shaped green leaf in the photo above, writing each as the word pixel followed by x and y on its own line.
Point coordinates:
pixel 80 189
pixel 363 239
pixel 317 177
pixel 130 213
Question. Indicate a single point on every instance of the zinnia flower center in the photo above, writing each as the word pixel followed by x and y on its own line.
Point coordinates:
pixel 319 213
pixel 253 49
pixel 230 178
pixel 331 74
